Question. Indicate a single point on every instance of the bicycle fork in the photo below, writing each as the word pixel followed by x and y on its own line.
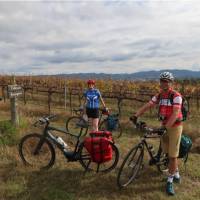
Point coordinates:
pixel 39 145
pixel 138 163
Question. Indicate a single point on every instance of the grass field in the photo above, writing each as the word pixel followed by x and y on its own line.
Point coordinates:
pixel 67 181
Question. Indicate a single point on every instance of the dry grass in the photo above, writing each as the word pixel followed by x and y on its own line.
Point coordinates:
pixel 68 181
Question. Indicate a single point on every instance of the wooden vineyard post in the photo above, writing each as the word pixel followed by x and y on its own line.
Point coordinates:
pixel 79 96
pixel 197 100
pixel 49 100
pixel 24 95
pixel 65 96
pixel 150 110
pixel 3 93
pixel 70 100
pixel 13 91
pixel 119 104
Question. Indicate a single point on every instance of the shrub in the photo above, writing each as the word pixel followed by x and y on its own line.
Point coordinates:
pixel 7 133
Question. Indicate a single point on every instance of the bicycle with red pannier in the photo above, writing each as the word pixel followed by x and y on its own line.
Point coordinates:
pixel 97 152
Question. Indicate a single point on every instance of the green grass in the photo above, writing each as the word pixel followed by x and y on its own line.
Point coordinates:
pixel 67 180
pixel 7 133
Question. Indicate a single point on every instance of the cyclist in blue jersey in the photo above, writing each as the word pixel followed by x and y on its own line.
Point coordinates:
pixel 92 97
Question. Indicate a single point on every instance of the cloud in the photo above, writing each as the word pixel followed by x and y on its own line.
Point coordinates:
pixel 99 36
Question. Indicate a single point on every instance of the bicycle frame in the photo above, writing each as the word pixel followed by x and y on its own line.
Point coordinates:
pixel 41 147
pixel 71 155
pixel 101 117
pixel 144 143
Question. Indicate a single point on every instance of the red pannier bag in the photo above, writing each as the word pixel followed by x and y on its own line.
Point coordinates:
pixel 106 134
pixel 98 145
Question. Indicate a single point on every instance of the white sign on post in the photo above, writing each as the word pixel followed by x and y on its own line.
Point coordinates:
pixel 14 91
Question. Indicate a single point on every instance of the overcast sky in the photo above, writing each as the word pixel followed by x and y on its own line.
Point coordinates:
pixel 49 37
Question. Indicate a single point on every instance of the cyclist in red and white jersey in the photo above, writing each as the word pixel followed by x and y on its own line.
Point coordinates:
pixel 169 102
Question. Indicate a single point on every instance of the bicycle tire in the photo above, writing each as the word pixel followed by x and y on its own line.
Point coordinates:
pixel 89 165
pixel 133 168
pixel 115 133
pixel 46 153
pixel 73 126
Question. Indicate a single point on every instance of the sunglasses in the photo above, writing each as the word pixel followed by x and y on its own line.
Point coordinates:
pixel 165 81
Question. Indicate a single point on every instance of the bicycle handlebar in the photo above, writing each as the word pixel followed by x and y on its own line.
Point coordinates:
pixel 143 127
pixel 105 111
pixel 80 110
pixel 158 131
pixel 44 120
pixel 76 110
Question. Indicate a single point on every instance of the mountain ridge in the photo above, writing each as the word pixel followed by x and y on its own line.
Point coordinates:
pixel 143 75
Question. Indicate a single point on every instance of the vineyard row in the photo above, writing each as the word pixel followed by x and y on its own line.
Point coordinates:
pixel 68 93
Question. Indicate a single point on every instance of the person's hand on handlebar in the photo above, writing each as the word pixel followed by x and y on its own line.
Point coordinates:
pixel 141 125
pixel 134 119
pixel 105 110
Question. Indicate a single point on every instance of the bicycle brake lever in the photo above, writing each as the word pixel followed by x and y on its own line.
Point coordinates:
pixel 35 124
pixel 51 117
pixel 162 131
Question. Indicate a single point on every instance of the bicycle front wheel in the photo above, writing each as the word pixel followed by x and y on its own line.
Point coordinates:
pixel 130 166
pixel 116 132
pixel 75 125
pixel 89 165
pixel 36 151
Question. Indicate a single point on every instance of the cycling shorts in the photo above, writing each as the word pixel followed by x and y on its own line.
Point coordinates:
pixel 92 112
pixel 171 141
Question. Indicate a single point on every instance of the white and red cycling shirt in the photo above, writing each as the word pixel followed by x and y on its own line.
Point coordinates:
pixel 166 105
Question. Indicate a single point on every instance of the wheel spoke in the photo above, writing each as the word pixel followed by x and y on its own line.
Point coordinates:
pixel 76 125
pixel 130 166
pixel 40 158
pixel 99 167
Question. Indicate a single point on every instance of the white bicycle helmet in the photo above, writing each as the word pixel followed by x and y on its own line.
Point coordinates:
pixel 166 76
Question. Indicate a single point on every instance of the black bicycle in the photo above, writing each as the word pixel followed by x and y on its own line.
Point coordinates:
pixel 107 121
pixel 133 162
pixel 38 150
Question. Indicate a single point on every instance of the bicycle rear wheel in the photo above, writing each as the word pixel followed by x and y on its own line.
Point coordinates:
pixel 130 166
pixel 89 165
pixel 116 133
pixel 36 151
pixel 75 125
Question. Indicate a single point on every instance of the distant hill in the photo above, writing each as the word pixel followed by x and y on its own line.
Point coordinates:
pixel 145 75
